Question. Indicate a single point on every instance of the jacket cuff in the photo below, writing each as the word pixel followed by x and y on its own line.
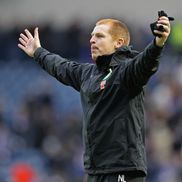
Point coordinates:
pixel 37 53
pixel 154 49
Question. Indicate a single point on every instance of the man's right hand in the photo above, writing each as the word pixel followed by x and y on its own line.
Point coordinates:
pixel 29 43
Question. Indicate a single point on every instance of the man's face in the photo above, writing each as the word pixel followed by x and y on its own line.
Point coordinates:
pixel 101 41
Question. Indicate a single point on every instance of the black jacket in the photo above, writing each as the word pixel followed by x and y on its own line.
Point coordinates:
pixel 112 96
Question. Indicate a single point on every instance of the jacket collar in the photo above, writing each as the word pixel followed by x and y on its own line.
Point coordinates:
pixel 106 61
pixel 103 62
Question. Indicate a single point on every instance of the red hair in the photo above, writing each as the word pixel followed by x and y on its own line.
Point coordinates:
pixel 117 29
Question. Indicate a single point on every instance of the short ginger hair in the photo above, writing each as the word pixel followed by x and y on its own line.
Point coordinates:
pixel 117 29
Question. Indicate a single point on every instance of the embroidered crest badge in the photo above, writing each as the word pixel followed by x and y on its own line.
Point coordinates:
pixel 103 82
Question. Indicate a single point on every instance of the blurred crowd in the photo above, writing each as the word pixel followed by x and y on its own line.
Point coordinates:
pixel 41 119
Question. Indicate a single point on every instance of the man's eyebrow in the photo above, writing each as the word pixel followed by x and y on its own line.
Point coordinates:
pixel 97 33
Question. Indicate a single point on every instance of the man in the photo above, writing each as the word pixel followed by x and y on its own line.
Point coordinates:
pixel 112 96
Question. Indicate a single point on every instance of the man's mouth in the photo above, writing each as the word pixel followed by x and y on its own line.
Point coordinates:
pixel 94 48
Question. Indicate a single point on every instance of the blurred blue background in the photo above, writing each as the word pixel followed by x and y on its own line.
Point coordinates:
pixel 41 119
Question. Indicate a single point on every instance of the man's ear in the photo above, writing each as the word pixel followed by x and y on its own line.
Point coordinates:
pixel 119 43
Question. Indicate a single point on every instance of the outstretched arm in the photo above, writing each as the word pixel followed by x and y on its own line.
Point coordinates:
pixel 28 42
pixel 67 72
pixel 145 64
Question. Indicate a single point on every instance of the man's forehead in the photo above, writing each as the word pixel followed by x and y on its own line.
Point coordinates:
pixel 103 28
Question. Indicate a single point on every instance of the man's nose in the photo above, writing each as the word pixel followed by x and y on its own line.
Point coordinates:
pixel 92 40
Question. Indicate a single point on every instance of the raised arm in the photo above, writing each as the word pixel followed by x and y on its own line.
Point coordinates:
pixel 145 64
pixel 67 72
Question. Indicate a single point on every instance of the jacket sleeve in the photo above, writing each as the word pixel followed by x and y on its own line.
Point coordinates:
pixel 67 72
pixel 138 71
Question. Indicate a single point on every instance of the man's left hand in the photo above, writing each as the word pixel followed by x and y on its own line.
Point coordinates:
pixel 164 21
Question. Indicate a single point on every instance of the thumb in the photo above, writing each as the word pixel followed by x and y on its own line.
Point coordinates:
pixel 36 33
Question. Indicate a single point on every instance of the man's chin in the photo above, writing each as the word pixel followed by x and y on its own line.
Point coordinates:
pixel 94 57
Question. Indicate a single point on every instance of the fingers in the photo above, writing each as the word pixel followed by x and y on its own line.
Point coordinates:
pixel 164 33
pixel 165 28
pixel 164 22
pixel 29 35
pixel 36 33
pixel 163 18
pixel 22 41
pixel 21 47
pixel 23 37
